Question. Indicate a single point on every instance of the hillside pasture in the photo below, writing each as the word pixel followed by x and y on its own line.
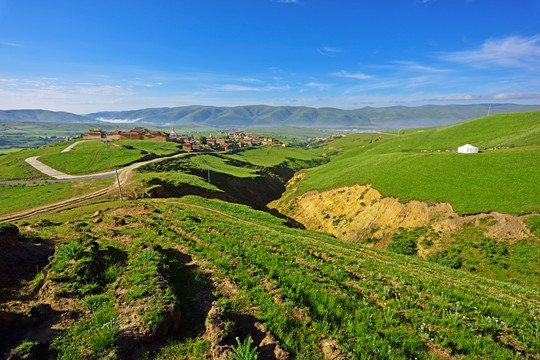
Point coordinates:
pixel 269 156
pixel 503 180
pixel 91 157
pixel 13 166
pixel 221 165
pixel 15 198
pixel 311 289
pixel 418 165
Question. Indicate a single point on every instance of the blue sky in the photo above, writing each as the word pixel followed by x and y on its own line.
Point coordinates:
pixel 84 56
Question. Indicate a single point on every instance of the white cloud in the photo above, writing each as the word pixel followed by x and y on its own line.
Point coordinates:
pixel 487 97
pixel 285 87
pixel 320 86
pixel 234 87
pixel 107 90
pixel 328 51
pixel 251 80
pixel 12 44
pixel 345 74
pixel 514 51
pixel 150 85
pixel 516 96
pixel 414 66
pixel 289 1
pixel 8 82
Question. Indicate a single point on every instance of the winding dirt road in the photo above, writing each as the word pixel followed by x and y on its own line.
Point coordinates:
pixel 47 170
pixel 124 175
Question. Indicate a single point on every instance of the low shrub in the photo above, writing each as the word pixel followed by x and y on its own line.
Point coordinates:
pixel 447 258
pixel 405 242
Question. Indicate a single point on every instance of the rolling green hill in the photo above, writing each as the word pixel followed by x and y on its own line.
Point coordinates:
pixel 43 116
pixel 417 164
pixel 85 158
pixel 91 157
pixel 273 117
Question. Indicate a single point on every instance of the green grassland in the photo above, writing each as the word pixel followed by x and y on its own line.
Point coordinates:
pixel 85 158
pixel 15 198
pixel 201 164
pixel 221 165
pixel 245 163
pixel 90 157
pixel 146 181
pixel 306 287
pixel 8 151
pixel 13 166
pixel 249 176
pixel 273 155
pixel 410 166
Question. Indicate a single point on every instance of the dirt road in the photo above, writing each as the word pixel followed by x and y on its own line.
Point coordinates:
pixel 47 170
pixel 124 175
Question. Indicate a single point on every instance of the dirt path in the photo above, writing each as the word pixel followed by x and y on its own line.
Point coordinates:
pixel 124 175
pixel 47 170
pixel 77 143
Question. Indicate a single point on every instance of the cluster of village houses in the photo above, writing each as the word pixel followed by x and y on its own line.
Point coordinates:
pixel 225 141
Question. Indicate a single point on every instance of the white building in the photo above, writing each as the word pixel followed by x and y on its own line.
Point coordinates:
pixel 467 149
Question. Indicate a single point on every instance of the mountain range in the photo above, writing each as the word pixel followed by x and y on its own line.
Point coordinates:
pixel 264 116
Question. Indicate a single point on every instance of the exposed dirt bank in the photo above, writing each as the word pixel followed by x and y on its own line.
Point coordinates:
pixel 360 212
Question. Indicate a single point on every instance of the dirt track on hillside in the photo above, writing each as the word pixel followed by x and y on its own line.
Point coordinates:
pixel 124 175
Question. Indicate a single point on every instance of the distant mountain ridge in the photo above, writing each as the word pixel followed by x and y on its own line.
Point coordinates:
pixel 43 116
pixel 264 116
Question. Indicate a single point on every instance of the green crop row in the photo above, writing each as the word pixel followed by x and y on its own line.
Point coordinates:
pixel 375 304
pixel 310 288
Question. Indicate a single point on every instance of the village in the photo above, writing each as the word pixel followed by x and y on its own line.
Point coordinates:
pixel 225 140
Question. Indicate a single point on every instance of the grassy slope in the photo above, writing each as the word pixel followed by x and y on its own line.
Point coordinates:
pixel 93 157
pixel 84 158
pixel 241 164
pixel 272 155
pixel 504 180
pixel 20 197
pixel 13 166
pixel 218 164
pixel 308 287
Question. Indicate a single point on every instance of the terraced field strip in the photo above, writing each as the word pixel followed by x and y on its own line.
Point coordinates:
pixel 384 312
pixel 351 253
pixel 54 207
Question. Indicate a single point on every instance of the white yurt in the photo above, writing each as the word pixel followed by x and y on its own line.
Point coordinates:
pixel 467 149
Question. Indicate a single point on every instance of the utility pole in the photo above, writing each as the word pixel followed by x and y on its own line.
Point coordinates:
pixel 118 181
pixel 209 175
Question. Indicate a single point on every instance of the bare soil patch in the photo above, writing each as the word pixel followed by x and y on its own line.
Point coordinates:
pixel 359 212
